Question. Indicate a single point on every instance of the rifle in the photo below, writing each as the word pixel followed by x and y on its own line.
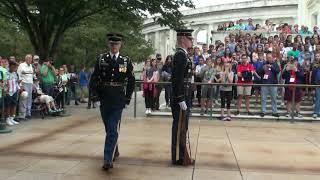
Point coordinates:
pixel 187 160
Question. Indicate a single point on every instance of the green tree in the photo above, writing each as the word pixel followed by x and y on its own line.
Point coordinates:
pixel 46 21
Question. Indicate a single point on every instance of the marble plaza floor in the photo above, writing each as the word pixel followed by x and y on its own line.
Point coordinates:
pixel 71 148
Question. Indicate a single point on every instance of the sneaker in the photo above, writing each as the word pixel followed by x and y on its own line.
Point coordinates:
pixel 147 111
pixel 28 117
pixel 262 114
pixel 288 115
pixel 229 118
pixel 315 116
pixel 221 118
pixel 250 113
pixel 9 122
pixel 225 118
pixel 13 121
pixel 237 113
pixel 282 105
pixel 299 115
pixel 202 112
pixel 275 115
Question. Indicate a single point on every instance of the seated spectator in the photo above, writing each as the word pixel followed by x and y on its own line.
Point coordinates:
pixel 293 74
pixel 269 72
pixel 207 75
pixel 11 99
pixel 245 72
pixel 226 77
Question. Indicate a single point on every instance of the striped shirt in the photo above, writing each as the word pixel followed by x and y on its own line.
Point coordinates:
pixel 13 82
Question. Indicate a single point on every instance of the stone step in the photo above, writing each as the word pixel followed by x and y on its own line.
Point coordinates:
pixel 240 117
pixel 243 111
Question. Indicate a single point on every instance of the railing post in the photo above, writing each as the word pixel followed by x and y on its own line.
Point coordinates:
pixel 293 104
pixel 135 102
pixel 211 102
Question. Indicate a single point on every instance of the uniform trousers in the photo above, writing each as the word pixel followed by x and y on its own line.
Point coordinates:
pixel 111 118
pixel 175 108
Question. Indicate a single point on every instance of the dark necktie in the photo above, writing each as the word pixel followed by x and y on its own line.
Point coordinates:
pixel 114 57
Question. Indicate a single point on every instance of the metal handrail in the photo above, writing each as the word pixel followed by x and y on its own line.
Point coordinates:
pixel 294 86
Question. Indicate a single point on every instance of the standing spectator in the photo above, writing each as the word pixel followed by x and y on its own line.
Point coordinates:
pixel 196 56
pixel 47 77
pixel 293 74
pixel 208 76
pixel 11 99
pixel 151 75
pixel 62 80
pixel 25 72
pixel 250 26
pixel 232 44
pixel 316 81
pixel 294 52
pixel 83 81
pixel 226 77
pixel 258 64
pixel 3 81
pixel 158 86
pixel 91 70
pixel 245 72
pixel 218 66
pixel 205 53
pixel 295 29
pixel 198 78
pixel 73 82
pixel 36 65
pixel 166 76
pixel 269 74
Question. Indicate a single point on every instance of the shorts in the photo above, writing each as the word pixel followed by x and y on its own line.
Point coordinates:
pixel 11 101
pixel 289 93
pixel 206 91
pixel 244 90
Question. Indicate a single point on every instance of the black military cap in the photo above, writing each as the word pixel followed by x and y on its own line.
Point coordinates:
pixel 184 32
pixel 114 37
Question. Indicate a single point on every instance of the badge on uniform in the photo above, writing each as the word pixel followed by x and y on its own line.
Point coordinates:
pixel 122 68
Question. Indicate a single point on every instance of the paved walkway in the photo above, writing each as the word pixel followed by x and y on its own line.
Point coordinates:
pixel 71 148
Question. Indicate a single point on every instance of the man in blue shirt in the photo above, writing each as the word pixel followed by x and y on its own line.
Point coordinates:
pixel 269 73
pixel 250 26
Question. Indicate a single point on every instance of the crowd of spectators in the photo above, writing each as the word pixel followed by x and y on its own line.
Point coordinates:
pixel 245 58
pixel 267 27
pixel 31 81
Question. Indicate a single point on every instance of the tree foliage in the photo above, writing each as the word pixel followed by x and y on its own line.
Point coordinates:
pixel 46 21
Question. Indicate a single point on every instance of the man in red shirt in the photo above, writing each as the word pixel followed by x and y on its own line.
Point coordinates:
pixel 245 73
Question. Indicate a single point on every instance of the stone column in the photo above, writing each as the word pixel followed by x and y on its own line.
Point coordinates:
pixel 157 42
pixel 209 35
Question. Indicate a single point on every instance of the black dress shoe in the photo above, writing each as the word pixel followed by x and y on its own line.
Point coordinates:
pixel 106 166
pixel 116 155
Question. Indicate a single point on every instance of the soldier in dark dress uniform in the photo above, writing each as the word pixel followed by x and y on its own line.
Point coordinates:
pixel 112 84
pixel 181 102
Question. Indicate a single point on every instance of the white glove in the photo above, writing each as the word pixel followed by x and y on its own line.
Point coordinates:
pixel 97 104
pixel 183 105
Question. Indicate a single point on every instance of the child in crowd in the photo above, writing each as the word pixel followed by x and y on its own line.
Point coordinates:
pixel 12 90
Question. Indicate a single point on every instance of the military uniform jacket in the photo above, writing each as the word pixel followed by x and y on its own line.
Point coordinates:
pixel 181 75
pixel 113 81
